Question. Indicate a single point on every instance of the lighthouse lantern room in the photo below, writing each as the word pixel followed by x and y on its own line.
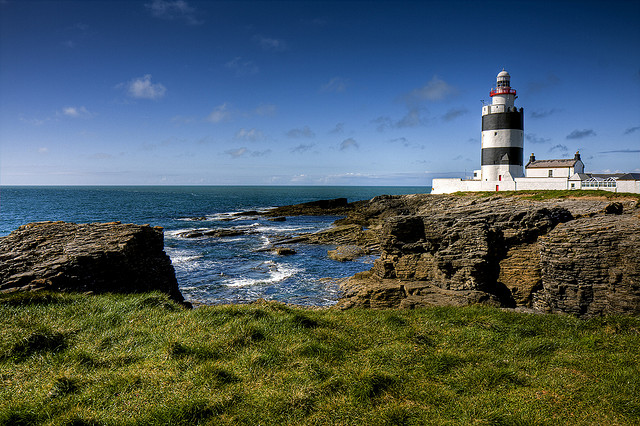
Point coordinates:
pixel 502 134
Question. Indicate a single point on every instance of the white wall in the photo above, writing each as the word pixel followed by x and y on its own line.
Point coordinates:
pixel 523 184
pixel 628 186
pixel 564 172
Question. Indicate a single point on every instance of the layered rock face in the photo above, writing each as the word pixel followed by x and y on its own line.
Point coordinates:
pixel 577 256
pixel 98 258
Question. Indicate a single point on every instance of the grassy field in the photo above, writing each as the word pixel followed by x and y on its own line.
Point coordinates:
pixel 140 359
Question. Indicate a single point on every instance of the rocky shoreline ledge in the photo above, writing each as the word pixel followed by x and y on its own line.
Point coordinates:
pixel 578 256
pixel 87 258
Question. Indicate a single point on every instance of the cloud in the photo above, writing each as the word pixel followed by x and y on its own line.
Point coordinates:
pixel 252 135
pixel 266 110
pixel 43 150
pixel 413 118
pixel 336 84
pixel 143 88
pixel 302 148
pixel 236 153
pixel 244 152
pixel 260 153
pixel 406 143
pixel 454 113
pixel 348 143
pixel 560 148
pixel 242 67
pixel 579 134
pixel 75 112
pixel 338 129
pixel 544 113
pixel 305 132
pixel 533 138
pixel 622 151
pixel 540 85
pixel 219 114
pixel 631 130
pixel 173 10
pixel 435 90
pixel 271 44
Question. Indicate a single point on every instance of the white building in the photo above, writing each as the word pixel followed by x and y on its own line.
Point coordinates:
pixel 502 157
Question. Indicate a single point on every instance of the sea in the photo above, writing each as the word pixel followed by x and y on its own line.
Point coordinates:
pixel 212 270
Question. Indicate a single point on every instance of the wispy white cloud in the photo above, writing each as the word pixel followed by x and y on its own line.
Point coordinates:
pixel 336 84
pixel 302 148
pixel 543 113
pixel 252 135
pixel 43 150
pixel 242 66
pixel 304 132
pixel 579 134
pixel 143 88
pixel 245 152
pixel 338 129
pixel 219 114
pixel 560 148
pixel 435 90
pixel 76 112
pixel 533 138
pixel 454 113
pixel 174 10
pixel 236 153
pixel 349 143
pixel 266 110
pixel 413 118
pixel 271 44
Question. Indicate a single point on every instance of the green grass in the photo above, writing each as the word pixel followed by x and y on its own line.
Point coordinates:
pixel 140 359
pixel 553 194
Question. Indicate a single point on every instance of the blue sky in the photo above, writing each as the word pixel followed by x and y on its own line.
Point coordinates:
pixel 306 93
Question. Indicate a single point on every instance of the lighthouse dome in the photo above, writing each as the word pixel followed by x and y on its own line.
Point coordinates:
pixel 503 73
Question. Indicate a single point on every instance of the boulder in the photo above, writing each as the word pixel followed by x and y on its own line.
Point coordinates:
pixel 96 258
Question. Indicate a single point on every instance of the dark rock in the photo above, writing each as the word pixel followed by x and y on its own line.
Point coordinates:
pixel 614 208
pixel 284 251
pixel 191 234
pixel 97 258
pixel 338 206
pixel 221 233
pixel 278 219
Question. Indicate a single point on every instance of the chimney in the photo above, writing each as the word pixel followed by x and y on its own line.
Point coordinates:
pixel 577 157
pixel 532 158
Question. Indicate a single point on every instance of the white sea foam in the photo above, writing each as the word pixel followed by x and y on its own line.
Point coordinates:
pixel 276 272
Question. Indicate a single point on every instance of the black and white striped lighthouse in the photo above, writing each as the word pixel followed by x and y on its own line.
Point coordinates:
pixel 502 133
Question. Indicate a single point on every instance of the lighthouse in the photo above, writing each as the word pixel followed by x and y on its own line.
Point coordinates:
pixel 502 134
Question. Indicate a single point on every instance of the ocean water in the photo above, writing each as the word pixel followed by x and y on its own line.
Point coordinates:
pixel 212 270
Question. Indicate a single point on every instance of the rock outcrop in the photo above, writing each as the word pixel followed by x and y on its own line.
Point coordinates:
pixel 578 256
pixel 97 258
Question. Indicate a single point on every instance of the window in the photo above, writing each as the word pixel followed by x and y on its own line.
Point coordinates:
pixel 573 185
pixel 550 173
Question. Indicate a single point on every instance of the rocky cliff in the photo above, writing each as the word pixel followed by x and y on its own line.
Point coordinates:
pixel 98 258
pixel 579 256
